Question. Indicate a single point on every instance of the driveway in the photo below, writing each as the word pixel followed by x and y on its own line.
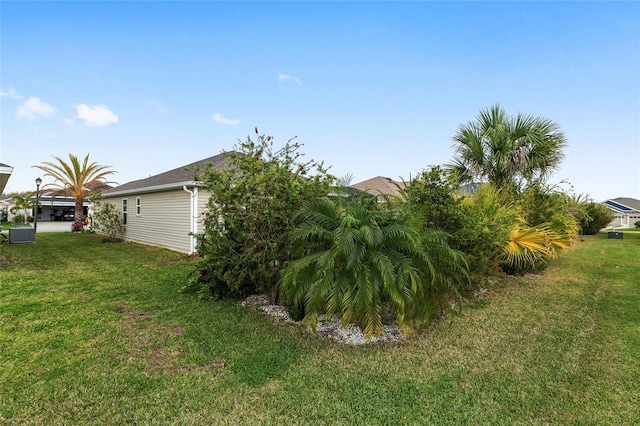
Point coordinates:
pixel 54 226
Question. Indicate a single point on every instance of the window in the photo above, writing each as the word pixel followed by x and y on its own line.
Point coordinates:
pixel 124 211
pixel 138 205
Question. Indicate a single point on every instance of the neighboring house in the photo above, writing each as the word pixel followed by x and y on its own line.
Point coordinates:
pixel 626 210
pixel 165 210
pixel 5 173
pixel 57 209
pixel 380 186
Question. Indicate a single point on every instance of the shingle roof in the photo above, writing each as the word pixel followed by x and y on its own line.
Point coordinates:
pixel 629 202
pixel 176 177
pixel 379 185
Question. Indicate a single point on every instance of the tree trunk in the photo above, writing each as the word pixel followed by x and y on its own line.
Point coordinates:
pixel 79 215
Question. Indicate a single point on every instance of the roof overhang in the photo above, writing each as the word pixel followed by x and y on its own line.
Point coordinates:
pixel 5 173
pixel 148 189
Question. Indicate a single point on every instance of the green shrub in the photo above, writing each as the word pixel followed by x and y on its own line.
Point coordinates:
pixel 355 257
pixel 432 192
pixel 496 236
pixel 107 221
pixel 488 220
pixel 18 219
pixel 598 216
pixel 253 200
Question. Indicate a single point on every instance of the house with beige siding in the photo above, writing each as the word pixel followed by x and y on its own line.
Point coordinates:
pixel 626 211
pixel 165 210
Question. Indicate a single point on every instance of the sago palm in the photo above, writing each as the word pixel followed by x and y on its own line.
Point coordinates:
pixel 505 150
pixel 76 179
pixel 355 258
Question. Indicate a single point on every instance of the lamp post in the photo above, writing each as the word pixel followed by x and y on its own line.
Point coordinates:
pixel 35 216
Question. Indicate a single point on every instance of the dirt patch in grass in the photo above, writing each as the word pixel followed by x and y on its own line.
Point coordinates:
pixel 3 261
pixel 154 344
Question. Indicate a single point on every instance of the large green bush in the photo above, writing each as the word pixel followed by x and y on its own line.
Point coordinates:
pixel 488 219
pixel 355 257
pixel 598 216
pixel 253 199
pixel 432 192
pixel 497 235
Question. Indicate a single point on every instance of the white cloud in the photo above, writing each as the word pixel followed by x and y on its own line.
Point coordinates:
pixel 219 118
pixel 34 107
pixel 287 77
pixel 96 116
pixel 11 93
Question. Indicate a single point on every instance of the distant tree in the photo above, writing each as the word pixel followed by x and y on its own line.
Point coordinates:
pixel 598 216
pixel 22 203
pixel 507 151
pixel 75 179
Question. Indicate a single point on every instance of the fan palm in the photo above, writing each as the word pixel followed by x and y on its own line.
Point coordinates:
pixel 507 151
pixel 356 257
pixel 76 179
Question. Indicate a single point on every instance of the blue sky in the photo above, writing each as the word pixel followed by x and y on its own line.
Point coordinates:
pixel 370 88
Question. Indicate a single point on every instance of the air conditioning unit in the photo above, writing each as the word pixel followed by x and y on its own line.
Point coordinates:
pixel 22 235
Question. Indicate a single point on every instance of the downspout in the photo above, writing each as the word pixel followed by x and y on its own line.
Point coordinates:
pixel 193 221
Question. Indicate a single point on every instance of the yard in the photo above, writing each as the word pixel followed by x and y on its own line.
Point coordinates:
pixel 98 333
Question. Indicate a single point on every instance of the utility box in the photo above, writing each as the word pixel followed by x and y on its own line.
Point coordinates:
pixel 22 235
pixel 614 235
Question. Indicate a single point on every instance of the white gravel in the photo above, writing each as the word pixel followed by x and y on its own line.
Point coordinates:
pixel 330 328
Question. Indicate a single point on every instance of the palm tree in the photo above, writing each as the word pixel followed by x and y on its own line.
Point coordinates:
pixel 507 151
pixel 22 202
pixel 77 180
pixel 356 258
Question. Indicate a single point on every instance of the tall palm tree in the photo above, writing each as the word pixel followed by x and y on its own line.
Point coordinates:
pixel 77 180
pixel 507 151
pixel 355 258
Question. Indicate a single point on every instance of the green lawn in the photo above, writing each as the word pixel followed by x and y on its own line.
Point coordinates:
pixel 97 333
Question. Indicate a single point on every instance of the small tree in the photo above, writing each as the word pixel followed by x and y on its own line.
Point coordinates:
pixel 22 203
pixel 107 221
pixel 252 203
